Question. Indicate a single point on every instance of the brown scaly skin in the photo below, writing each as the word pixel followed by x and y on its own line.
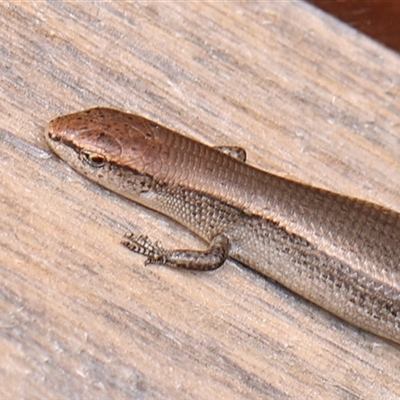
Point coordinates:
pixel 341 253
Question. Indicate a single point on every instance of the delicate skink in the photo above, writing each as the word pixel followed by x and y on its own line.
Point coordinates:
pixel 342 254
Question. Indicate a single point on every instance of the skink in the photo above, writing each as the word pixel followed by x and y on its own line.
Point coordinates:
pixel 340 253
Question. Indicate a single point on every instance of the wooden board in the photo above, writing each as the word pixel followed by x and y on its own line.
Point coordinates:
pixel 80 317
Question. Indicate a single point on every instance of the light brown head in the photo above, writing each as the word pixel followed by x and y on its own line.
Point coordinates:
pixel 111 148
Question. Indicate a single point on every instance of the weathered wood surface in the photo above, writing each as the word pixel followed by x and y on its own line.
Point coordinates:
pixel 80 317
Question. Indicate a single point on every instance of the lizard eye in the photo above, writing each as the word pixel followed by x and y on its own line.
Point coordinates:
pixel 94 159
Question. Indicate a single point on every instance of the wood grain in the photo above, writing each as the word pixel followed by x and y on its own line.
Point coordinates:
pixel 80 317
pixel 377 19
